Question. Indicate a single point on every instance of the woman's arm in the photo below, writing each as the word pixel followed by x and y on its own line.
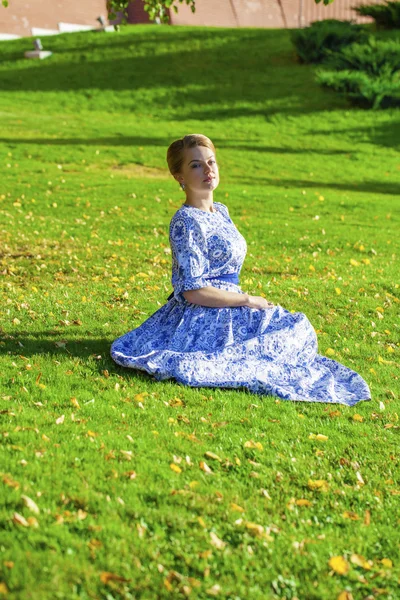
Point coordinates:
pixel 215 298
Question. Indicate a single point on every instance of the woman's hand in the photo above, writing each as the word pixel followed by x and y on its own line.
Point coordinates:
pixel 258 302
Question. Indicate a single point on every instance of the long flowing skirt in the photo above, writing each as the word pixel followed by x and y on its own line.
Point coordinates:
pixel 269 351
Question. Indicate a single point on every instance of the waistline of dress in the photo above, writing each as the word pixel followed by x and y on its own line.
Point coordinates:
pixel 231 277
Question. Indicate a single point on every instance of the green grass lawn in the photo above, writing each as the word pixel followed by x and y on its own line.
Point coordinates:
pixel 145 489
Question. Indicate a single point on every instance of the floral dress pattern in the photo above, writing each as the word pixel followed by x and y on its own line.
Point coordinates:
pixel 268 351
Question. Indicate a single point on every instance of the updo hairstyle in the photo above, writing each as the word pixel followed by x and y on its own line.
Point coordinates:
pixel 176 150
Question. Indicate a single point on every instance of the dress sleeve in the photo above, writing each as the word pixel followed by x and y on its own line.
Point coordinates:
pixel 224 210
pixel 190 264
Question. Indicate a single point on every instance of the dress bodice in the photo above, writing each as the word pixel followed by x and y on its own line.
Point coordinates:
pixel 204 245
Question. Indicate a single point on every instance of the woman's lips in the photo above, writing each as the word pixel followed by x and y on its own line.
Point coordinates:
pixel 209 179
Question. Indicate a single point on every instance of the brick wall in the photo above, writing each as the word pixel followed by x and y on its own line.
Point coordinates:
pixel 21 15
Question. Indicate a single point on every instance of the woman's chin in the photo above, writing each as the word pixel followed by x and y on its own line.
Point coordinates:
pixel 210 185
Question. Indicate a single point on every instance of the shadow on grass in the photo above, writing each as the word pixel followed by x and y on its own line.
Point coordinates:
pixel 182 69
pixel 130 141
pixel 368 187
pixel 383 134
pixel 57 345
pixel 26 343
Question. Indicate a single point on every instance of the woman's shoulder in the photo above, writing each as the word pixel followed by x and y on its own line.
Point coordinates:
pixel 222 208
pixel 184 220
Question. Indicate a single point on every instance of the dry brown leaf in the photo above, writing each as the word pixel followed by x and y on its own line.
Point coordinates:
pixel 8 480
pixel 360 561
pixel 75 403
pixel 32 522
pixel 204 467
pixel 214 590
pixel 20 520
pixel 127 454
pixel 349 514
pixel 106 577
pixel 216 541
pixel 212 456
pixel 176 402
pixel 29 503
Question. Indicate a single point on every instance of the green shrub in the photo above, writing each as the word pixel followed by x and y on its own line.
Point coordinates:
pixel 376 57
pixel 386 16
pixel 362 89
pixel 312 42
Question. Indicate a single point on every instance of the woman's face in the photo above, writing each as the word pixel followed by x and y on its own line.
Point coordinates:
pixel 199 171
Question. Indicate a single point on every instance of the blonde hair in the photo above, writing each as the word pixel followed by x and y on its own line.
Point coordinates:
pixel 176 150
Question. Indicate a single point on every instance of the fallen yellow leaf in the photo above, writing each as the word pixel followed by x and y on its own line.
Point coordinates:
pixel 175 468
pixel 253 444
pixel 201 522
pixel 236 507
pixel 358 418
pixel 75 403
pixel 349 514
pixel 319 436
pixel 339 564
pixel 319 485
pixel 386 562
pixel 303 502
pixel 345 596
pixel 8 480
pixel 3 588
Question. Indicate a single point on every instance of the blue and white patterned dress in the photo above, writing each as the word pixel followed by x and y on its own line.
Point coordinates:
pixel 268 351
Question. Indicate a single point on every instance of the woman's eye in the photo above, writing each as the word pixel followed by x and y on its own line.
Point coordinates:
pixel 194 166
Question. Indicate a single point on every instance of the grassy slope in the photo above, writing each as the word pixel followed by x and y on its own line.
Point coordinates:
pixel 85 203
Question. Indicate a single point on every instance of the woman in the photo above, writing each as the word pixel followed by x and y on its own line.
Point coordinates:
pixel 210 333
